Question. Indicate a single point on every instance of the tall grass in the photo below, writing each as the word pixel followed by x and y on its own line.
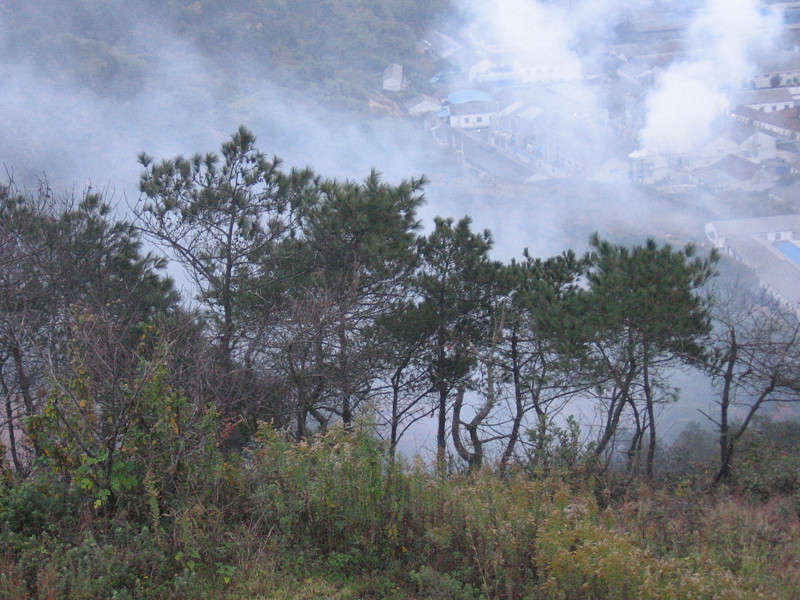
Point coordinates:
pixel 502 537
pixel 336 516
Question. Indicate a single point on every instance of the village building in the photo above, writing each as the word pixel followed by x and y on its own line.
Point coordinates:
pixel 472 115
pixel 393 79
pixel 654 52
pixel 727 161
pixel 733 173
pixel 438 44
pixel 647 168
pixel 786 194
pixel 784 124
pixel 753 145
pixel 546 71
pixel 705 155
pixel 775 71
pixel 422 104
pixel 769 246
pixel 769 100
pixel 471 63
pixel 554 127
pixel 637 72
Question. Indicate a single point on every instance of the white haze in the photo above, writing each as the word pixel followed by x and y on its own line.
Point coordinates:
pixel 80 137
pixel 691 95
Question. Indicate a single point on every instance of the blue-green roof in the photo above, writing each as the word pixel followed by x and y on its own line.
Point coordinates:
pixel 791 252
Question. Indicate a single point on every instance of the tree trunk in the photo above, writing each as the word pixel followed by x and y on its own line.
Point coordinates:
pixel 723 473
pixel 12 440
pixel 347 411
pixel 513 436
pixel 463 452
pixel 441 432
pixel 651 416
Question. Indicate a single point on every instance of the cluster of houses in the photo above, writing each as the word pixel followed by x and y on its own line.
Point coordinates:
pixel 491 100
pixel 561 115
pixel 520 118
pixel 754 147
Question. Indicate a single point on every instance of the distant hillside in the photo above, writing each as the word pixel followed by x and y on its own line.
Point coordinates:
pixel 334 49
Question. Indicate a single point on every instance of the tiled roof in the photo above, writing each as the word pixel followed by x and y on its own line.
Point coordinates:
pixel 756 226
pixel 757 97
pixel 783 119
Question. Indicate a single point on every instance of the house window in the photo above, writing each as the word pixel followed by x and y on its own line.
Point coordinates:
pixel 466 120
pixel 480 119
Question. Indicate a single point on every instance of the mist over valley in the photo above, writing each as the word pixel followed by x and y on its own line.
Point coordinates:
pixel 603 115
pixel 88 86
pixel 399 299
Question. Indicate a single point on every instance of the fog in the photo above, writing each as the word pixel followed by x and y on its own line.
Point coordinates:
pixel 725 36
pixel 77 136
pixel 181 101
pixel 166 96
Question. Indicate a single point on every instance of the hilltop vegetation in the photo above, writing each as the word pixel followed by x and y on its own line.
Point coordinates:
pixel 243 442
pixel 335 517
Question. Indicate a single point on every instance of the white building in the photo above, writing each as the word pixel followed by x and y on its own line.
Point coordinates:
pixel 768 245
pixel 393 80
pixel 439 44
pixel 473 64
pixel 548 71
pixel 422 104
pixel 783 69
pixel 768 100
pixel 472 115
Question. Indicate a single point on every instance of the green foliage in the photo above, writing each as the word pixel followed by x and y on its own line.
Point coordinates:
pixel 225 221
pixel 651 291
pixel 460 538
pixel 355 258
pixel 231 222
pixel 643 313
pixel 133 442
pixel 768 462
pixel 437 586
pixel 337 491
pixel 138 517
pixel 692 455
pixel 335 508
pixel 756 542
pixel 456 284
pixel 37 505
pixel 555 449
pixel 312 293
pixel 67 260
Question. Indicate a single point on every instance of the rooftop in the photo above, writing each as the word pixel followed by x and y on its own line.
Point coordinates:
pixel 755 226
pixel 768 96
pixel 787 193
pixel 786 61
pixel 791 251
pixel 470 108
pixel 782 119
pixel 776 270
pixel 393 71
pixel 462 96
